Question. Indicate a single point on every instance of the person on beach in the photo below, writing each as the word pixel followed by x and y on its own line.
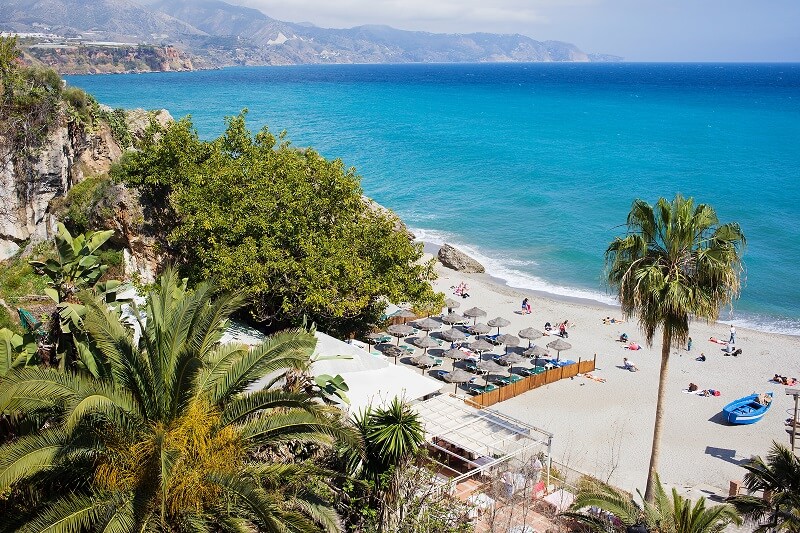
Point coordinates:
pixel 623 338
pixel 562 329
pixel 689 345
pixel 702 357
pixel 629 365
pixel 548 326
pixel 732 340
pixel 526 307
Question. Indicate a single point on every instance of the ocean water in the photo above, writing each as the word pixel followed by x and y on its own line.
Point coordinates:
pixel 532 168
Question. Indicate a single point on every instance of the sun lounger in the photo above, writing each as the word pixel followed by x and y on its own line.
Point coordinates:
pixel 480 389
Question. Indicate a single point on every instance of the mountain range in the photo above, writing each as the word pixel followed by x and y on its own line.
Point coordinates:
pixel 216 33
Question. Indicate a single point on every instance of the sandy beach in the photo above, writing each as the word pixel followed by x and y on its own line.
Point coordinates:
pixel 605 429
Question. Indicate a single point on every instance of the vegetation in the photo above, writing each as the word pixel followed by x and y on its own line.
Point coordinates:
pixel 675 262
pixel 666 513
pixel 289 227
pixel 778 478
pixel 29 102
pixel 171 439
pixel 84 204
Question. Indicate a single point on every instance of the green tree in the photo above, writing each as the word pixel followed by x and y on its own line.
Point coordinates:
pixel 286 224
pixel 175 438
pixel 675 262
pixel 778 478
pixel 666 513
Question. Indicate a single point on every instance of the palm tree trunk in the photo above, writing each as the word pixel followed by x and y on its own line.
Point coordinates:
pixel 649 493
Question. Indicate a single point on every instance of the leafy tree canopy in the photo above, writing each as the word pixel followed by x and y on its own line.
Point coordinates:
pixel 286 225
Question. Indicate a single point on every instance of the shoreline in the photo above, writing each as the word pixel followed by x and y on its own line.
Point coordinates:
pixel 604 428
pixel 431 248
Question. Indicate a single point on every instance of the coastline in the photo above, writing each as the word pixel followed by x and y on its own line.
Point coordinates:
pixel 605 428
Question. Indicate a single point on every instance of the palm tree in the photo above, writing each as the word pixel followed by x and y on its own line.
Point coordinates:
pixel 675 262
pixel 171 441
pixel 392 437
pixel 779 479
pixel 674 514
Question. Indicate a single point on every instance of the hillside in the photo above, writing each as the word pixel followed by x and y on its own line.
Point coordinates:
pixel 215 33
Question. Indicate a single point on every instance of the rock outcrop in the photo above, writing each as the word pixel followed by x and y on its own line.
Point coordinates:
pixel 458 260
pixel 28 187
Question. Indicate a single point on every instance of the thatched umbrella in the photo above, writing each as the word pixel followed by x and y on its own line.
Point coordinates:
pixel 508 340
pixel 455 354
pixel 394 351
pixel 536 352
pixel 510 359
pixel 424 361
pixel 425 343
pixel 530 334
pixel 374 337
pixel 458 376
pixel 474 313
pixel 451 304
pixel 404 314
pixel 481 345
pixel 559 345
pixel 479 329
pixel 453 335
pixel 491 368
pixel 428 324
pixel 498 323
pixel 399 330
pixel 453 318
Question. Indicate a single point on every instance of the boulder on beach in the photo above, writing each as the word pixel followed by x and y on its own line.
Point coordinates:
pixel 458 260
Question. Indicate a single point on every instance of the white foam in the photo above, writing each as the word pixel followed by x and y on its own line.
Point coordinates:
pixel 505 270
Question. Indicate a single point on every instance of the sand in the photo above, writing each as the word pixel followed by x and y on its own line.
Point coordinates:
pixel 606 429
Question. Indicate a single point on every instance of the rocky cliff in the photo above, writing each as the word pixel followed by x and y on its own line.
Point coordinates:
pixel 30 186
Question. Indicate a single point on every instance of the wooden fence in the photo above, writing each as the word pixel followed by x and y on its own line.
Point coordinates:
pixel 507 392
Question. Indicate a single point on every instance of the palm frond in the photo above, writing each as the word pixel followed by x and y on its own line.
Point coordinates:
pixel 30 455
pixel 71 514
pixel 287 349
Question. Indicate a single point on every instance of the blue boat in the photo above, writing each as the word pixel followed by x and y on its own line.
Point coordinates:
pixel 747 410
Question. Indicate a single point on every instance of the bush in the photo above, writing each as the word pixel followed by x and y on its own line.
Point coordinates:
pixel 82 204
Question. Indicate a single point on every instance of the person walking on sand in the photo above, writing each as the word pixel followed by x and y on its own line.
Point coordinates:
pixel 732 340
pixel 525 306
pixel 689 345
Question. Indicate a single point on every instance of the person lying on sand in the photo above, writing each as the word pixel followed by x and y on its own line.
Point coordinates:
pixel 783 380
pixel 594 378
pixel 610 320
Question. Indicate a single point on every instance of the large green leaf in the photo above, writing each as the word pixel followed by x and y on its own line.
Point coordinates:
pixel 10 344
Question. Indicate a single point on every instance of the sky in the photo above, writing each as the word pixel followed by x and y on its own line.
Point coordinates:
pixel 638 30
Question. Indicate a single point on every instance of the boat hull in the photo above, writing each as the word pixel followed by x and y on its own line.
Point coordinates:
pixel 746 410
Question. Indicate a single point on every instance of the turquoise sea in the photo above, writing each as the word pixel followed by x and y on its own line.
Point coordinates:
pixel 532 167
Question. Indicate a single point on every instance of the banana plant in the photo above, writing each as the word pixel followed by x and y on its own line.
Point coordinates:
pixel 77 268
pixel 15 350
